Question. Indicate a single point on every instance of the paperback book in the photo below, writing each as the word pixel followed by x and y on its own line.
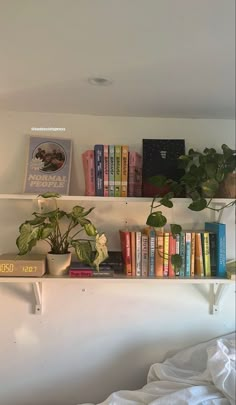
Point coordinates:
pixel 48 165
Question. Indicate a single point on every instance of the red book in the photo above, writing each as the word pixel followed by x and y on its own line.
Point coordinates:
pixel 125 242
pixel 80 273
pixel 89 172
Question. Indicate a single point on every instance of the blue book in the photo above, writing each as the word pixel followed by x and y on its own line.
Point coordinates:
pixel 220 231
pixel 187 254
pixel 99 170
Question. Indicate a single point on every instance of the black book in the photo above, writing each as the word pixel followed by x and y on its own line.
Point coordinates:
pixel 160 157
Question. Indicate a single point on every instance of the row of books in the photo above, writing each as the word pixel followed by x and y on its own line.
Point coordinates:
pixel 112 171
pixel 148 252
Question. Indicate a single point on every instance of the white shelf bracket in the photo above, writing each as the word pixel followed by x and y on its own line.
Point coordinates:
pixel 217 292
pixel 37 289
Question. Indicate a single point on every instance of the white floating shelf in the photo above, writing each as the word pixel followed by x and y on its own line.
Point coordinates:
pixel 217 287
pixel 111 199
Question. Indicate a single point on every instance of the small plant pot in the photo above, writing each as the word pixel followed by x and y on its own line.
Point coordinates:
pixel 58 264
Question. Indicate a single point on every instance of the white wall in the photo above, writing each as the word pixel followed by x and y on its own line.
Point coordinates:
pixel 96 336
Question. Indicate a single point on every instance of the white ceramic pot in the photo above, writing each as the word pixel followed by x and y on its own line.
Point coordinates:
pixel 58 265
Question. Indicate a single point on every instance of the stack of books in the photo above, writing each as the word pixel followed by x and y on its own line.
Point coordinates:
pixel 112 171
pixel 147 252
pixel 113 264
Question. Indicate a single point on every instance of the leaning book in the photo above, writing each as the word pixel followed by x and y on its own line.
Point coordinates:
pixel 48 165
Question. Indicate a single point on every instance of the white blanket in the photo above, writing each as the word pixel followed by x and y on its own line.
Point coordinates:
pixel 203 374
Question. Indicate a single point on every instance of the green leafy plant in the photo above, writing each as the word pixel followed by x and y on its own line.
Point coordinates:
pixel 204 173
pixel 61 230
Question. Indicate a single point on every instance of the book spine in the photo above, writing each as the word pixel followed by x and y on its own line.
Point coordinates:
pixel 80 273
pixel 133 252
pixel 106 170
pixel 99 169
pixel 152 248
pixel 144 259
pixel 166 255
pixel 212 240
pixel 192 267
pixel 117 170
pixel 126 251
pixel 220 230
pixel 135 175
pixel 138 256
pixel 124 170
pixel 199 269
pixel 111 166
pixel 182 253
pixel 187 254
pixel 177 251
pixel 159 254
pixel 206 254
pixel 89 172
pixel 172 251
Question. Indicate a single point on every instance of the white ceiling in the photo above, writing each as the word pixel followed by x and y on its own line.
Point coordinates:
pixel 172 58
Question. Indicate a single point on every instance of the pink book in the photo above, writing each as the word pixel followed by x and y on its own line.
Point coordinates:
pixel 89 172
pixel 106 170
pixel 135 175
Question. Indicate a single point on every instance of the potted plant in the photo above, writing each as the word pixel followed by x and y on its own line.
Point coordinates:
pixel 61 231
pixel 206 175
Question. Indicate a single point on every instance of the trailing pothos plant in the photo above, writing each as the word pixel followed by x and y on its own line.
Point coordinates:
pixel 62 231
pixel 204 172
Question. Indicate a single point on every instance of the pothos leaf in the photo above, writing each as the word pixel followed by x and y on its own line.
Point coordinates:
pixel 156 219
pixel 198 205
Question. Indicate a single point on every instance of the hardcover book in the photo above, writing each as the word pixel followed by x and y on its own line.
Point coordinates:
pixel 117 170
pixel 106 170
pixel 111 166
pixel 220 230
pixel 125 243
pixel 160 157
pixel 89 172
pixel 135 175
pixel 99 170
pixel 48 165
pixel 124 170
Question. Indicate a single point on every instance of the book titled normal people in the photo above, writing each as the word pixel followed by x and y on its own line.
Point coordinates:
pixel 48 165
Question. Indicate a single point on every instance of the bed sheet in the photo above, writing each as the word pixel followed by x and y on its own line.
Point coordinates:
pixel 202 374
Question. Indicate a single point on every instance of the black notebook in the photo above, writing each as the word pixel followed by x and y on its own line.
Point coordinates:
pixel 160 157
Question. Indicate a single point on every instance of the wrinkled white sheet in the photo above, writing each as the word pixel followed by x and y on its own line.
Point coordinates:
pixel 203 374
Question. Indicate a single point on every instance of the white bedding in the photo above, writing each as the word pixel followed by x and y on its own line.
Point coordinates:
pixel 203 374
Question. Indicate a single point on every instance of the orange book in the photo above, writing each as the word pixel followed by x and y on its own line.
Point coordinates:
pixel 166 254
pixel 126 251
pixel 199 268
pixel 192 260
pixel 159 258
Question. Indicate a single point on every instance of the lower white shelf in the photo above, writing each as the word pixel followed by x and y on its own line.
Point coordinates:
pixel 217 286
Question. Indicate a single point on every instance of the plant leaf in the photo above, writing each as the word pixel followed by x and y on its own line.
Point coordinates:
pixel 83 250
pixel 176 261
pixel 210 187
pixel 49 195
pixel 158 181
pixel 90 229
pixel 166 202
pixel 156 219
pixel 198 205
pixel 27 238
pixel 175 229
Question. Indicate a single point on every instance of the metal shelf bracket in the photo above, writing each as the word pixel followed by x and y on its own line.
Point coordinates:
pixel 37 289
pixel 217 292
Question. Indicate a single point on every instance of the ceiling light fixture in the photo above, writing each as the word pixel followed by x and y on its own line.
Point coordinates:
pixel 99 81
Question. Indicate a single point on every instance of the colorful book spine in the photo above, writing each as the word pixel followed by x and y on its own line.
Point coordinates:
pixel 192 267
pixel 182 253
pixel 106 170
pixel 126 251
pixel 133 252
pixel 89 172
pixel 220 230
pixel 159 254
pixel 212 239
pixel 111 176
pixel 199 268
pixel 172 251
pixel 177 251
pixel 206 254
pixel 166 254
pixel 135 174
pixel 117 170
pixel 124 170
pixel 144 258
pixel 138 255
pixel 187 254
pixel 152 248
pixel 99 170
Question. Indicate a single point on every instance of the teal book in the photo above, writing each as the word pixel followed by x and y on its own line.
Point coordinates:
pixel 187 254
pixel 220 230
